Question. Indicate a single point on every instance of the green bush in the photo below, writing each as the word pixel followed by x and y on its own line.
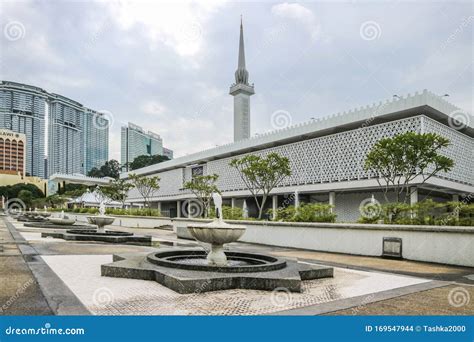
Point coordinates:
pixel 133 212
pixel 427 212
pixel 228 213
pixel 306 212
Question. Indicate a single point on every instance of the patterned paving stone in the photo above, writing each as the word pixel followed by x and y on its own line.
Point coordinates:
pixel 117 296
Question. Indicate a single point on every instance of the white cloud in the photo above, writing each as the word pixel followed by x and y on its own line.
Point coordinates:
pixel 298 13
pixel 179 25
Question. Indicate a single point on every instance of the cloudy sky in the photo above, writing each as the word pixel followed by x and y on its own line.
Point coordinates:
pixel 168 66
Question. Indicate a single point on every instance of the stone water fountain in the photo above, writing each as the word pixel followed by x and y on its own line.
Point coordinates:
pixel 194 270
pixel 88 233
pixel 62 220
pixel 101 220
pixel 217 234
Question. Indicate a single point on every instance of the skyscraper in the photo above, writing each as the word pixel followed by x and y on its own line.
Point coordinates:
pixel 135 141
pixel 22 110
pixel 241 90
pixel 65 144
pixel 96 139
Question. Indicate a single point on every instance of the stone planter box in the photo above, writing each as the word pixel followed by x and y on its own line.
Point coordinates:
pixel 439 244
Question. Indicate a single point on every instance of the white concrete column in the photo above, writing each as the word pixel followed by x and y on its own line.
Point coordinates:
pixel 297 199
pixel 274 206
pixel 413 195
pixel 332 199
pixel 232 202
pixel 159 206
pixel 178 209
pixel 455 198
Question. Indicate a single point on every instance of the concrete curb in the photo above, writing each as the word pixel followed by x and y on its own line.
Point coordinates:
pixel 59 297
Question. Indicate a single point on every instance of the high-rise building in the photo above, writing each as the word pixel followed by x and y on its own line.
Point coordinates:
pixel 96 139
pixel 22 110
pixel 135 141
pixel 78 137
pixel 65 143
pixel 241 90
pixel 167 153
pixel 12 152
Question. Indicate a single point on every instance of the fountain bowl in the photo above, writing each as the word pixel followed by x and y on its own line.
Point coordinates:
pixel 100 221
pixel 217 232
pixel 61 221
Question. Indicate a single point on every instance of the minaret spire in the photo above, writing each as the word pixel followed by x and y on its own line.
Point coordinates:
pixel 241 74
pixel 241 90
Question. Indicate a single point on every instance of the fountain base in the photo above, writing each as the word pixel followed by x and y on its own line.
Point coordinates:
pixel 109 236
pixel 187 271
pixel 57 226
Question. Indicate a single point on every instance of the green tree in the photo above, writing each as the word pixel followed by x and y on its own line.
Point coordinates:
pixel 203 187
pixel 26 196
pixel 55 201
pixel 146 160
pixel 262 174
pixel 111 168
pixel 146 186
pixel 399 160
pixel 12 191
pixel 118 190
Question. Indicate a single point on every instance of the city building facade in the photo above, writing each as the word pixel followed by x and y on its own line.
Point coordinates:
pixel 65 142
pixel 96 139
pixel 77 137
pixel 135 141
pixel 12 152
pixel 23 110
pixel 167 153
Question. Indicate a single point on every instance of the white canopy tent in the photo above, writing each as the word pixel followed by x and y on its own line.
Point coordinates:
pixel 93 199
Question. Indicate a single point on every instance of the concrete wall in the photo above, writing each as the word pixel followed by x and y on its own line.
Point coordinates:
pixel 439 244
pixel 129 221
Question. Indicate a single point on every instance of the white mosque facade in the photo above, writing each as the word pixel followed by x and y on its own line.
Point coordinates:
pixel 326 155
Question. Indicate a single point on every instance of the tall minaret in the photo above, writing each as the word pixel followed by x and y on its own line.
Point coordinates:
pixel 241 90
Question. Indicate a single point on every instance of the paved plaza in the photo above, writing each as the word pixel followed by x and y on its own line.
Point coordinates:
pixel 53 276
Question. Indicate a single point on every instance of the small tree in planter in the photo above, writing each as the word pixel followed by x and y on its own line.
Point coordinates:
pixel 118 190
pixel 262 174
pixel 399 160
pixel 203 187
pixel 146 186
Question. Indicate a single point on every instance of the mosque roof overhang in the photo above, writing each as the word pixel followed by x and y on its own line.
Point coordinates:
pixel 425 103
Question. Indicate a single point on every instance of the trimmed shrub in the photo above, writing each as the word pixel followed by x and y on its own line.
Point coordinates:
pixel 306 212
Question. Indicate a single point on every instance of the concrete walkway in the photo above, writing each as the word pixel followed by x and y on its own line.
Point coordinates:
pixel 20 293
pixel 449 283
